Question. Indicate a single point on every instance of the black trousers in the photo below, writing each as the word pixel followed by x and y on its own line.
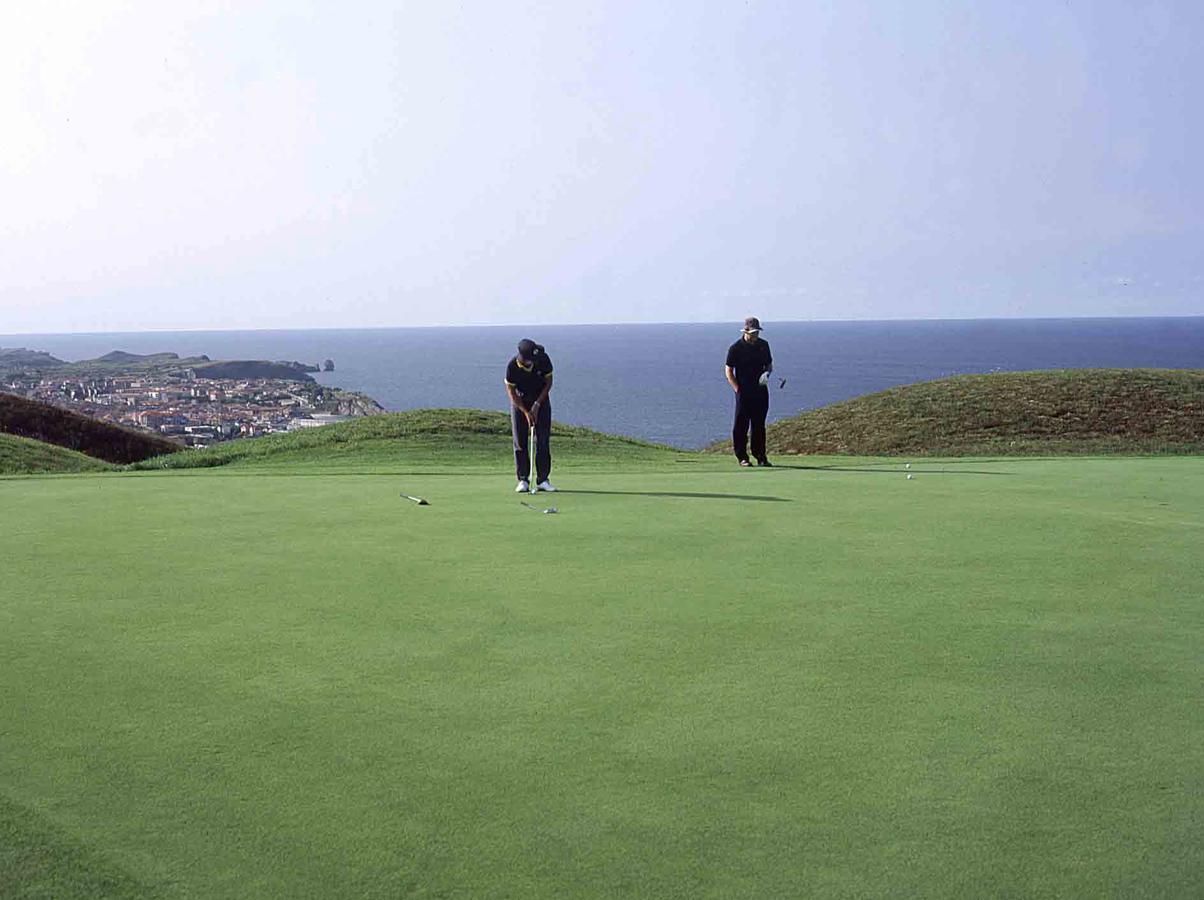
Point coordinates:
pixel 752 406
pixel 543 443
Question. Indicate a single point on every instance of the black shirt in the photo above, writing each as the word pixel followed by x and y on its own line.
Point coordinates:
pixel 529 382
pixel 750 359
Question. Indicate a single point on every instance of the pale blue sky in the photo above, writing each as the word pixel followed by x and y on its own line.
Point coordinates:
pixel 287 164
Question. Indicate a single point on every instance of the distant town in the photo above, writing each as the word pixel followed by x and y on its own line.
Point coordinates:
pixel 194 401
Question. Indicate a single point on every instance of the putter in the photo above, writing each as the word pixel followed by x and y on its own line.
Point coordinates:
pixel 417 500
pixel 531 460
pixel 548 511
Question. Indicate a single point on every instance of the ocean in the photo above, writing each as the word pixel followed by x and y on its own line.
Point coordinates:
pixel 665 382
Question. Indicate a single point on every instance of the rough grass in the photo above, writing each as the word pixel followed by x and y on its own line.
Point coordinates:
pixel 422 438
pixel 24 456
pixel 1074 411
pixel 66 428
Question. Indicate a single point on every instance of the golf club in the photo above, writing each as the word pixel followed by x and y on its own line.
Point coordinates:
pixel 531 458
pixel 548 511
pixel 417 500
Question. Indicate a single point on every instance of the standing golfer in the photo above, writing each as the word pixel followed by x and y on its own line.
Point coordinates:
pixel 528 382
pixel 749 363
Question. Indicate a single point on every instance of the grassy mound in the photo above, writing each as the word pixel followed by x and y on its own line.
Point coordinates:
pixel 1021 413
pixel 422 438
pixel 22 456
pixel 64 428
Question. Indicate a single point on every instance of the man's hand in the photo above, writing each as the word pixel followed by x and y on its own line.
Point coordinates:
pixel 531 415
pixel 534 415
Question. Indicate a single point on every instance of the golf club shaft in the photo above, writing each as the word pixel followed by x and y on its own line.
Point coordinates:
pixel 531 461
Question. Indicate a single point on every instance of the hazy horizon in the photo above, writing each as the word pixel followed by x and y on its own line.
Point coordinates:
pixel 535 326
pixel 296 165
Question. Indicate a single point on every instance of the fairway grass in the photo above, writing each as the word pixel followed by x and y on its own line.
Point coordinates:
pixel 821 679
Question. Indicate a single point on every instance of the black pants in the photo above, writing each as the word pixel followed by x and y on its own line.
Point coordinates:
pixel 543 443
pixel 752 406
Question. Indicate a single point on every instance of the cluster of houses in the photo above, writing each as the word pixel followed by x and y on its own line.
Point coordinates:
pixel 194 411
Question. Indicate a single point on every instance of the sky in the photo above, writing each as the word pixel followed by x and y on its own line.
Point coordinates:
pixel 284 164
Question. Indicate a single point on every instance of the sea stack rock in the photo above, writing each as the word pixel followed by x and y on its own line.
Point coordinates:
pixel 328 366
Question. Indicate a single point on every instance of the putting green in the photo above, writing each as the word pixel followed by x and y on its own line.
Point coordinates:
pixel 693 681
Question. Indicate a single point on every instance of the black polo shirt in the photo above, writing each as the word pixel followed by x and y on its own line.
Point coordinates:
pixel 750 359
pixel 529 382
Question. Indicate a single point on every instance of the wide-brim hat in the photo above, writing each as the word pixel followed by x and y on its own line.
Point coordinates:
pixel 751 325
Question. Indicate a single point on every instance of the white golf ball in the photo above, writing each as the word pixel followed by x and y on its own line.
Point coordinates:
pixel 910 476
pixel 907 465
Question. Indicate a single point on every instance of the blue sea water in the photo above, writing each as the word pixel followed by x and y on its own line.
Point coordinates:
pixel 665 382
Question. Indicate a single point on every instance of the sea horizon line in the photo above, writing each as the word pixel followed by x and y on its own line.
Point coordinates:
pixel 626 324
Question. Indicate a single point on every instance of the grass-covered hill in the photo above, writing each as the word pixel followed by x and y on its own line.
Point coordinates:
pixel 22 456
pixel 255 368
pixel 101 440
pixel 1022 413
pixel 419 438
pixel 16 358
pixel 20 361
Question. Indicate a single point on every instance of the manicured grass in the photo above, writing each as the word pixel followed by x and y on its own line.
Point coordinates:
pixel 694 681
pixel 1067 411
pixel 37 860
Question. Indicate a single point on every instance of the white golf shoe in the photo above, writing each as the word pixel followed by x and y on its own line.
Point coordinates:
pixel 546 486
pixel 523 488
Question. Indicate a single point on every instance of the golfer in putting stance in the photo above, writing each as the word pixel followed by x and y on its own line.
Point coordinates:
pixel 749 363
pixel 528 382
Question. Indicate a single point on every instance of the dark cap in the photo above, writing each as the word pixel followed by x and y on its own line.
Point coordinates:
pixel 752 323
pixel 528 349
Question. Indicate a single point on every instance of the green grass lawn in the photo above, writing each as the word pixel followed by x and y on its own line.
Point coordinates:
pixel 694 681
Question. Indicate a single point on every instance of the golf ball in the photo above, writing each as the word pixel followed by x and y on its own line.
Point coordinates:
pixel 907 465
pixel 910 476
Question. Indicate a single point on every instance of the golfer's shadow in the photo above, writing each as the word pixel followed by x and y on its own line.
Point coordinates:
pixel 691 495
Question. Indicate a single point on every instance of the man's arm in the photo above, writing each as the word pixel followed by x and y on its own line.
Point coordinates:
pixel 515 400
pixel 731 378
pixel 543 395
